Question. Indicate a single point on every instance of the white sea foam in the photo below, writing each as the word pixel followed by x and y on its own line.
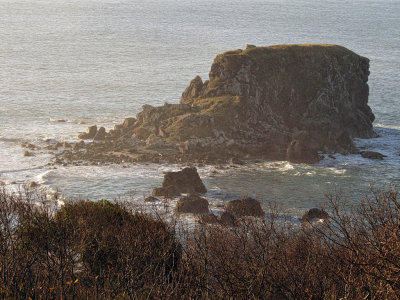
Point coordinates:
pixel 284 167
pixel 396 127
pixel 44 177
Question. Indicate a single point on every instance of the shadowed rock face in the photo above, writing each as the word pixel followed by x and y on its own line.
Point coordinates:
pixel 184 181
pixel 285 102
pixel 245 207
pixel 314 214
pixel 192 204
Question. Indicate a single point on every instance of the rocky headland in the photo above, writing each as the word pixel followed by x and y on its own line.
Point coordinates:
pixel 285 102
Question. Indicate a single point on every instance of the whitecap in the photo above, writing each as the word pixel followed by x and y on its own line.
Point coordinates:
pixel 287 166
pixel 58 120
pixel 386 126
pixel 44 177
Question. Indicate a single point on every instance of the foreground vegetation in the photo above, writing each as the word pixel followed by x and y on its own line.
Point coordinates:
pixel 105 250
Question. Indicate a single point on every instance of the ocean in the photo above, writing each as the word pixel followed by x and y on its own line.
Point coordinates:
pixel 69 64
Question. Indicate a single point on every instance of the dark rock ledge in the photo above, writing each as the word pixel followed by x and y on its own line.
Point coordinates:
pixel 285 102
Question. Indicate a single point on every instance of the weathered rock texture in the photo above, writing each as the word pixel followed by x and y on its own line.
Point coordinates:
pixel 372 155
pixel 289 100
pixel 245 207
pixel 185 181
pixel 192 204
pixel 278 102
pixel 314 214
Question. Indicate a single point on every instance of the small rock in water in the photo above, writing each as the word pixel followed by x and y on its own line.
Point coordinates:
pixel 192 204
pixel 315 213
pixel 27 153
pixel 185 181
pixel 245 207
pixel 372 155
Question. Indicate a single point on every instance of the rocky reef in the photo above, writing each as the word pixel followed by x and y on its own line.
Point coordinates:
pixel 286 102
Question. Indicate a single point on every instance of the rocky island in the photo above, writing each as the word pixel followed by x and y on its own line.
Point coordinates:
pixel 284 102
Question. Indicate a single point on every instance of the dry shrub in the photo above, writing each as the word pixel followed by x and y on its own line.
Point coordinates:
pixel 268 259
pixel 107 250
pixel 85 249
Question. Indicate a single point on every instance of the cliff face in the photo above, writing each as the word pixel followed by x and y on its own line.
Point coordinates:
pixel 279 102
pixel 312 96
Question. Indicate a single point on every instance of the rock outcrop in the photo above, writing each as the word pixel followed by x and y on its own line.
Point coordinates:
pixel 176 183
pixel 244 207
pixel 314 214
pixel 100 135
pixel 289 100
pixel 286 102
pixel 89 134
pixel 372 155
pixel 226 219
pixel 192 204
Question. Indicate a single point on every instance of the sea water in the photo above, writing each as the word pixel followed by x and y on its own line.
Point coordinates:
pixel 69 64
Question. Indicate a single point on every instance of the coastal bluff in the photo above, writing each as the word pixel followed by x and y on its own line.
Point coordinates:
pixel 286 102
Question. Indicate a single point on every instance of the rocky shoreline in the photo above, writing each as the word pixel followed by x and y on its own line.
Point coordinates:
pixel 285 102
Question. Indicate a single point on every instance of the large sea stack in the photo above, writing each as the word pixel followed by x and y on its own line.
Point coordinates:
pixel 288 100
pixel 279 102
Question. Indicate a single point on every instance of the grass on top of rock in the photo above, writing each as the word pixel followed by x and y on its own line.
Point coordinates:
pixel 294 49
pixel 219 106
pixel 270 61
